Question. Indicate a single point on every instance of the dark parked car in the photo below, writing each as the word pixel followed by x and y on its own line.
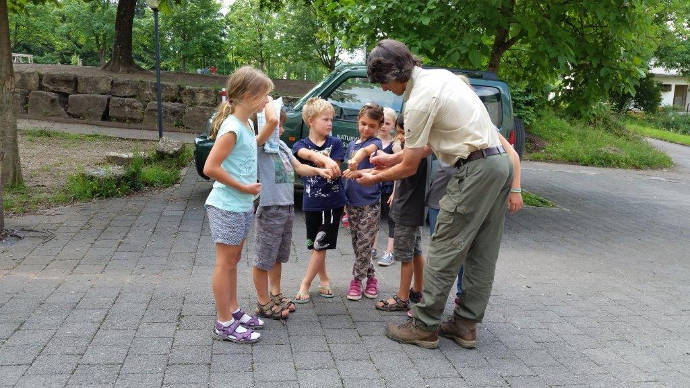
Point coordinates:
pixel 347 89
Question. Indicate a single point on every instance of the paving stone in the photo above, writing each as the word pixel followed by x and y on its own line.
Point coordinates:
pixel 145 363
pixel 319 378
pixel 101 354
pixel 95 375
pixel 31 381
pixel 53 364
pixel 226 378
pixel 358 369
pixel 186 374
pixel 135 380
pixel 190 355
pixel 11 373
pixel 313 360
pixel 274 371
pixel 113 337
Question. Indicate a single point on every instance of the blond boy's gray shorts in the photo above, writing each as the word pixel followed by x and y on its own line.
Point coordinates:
pixel 273 235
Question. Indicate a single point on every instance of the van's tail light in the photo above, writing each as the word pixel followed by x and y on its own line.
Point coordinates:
pixel 511 138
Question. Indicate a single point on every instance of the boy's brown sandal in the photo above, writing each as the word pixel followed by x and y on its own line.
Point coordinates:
pixel 460 330
pixel 399 305
pixel 412 332
pixel 269 310
pixel 284 302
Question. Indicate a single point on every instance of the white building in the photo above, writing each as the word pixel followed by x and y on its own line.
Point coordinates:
pixel 674 87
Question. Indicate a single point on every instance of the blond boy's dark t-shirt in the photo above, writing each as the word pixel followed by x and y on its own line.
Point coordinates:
pixel 321 193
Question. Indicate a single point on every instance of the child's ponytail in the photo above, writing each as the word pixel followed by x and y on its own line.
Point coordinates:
pixel 244 82
pixel 224 110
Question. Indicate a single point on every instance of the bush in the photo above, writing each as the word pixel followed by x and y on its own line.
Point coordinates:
pixel 527 104
pixel 647 96
pixel 595 142
pixel 141 172
pixel 670 120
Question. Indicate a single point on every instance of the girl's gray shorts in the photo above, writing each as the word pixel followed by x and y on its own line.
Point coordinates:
pixel 227 227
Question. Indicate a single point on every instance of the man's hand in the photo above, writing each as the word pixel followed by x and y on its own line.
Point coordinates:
pixel 381 160
pixel 252 188
pixel 514 202
pixel 349 174
pixel 367 179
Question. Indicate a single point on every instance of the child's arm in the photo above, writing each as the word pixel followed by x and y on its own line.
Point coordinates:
pixel 515 196
pixel 360 155
pixel 320 160
pixel 270 125
pixel 213 169
pixel 305 170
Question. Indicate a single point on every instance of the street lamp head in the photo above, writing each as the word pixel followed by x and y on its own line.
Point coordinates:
pixel 153 4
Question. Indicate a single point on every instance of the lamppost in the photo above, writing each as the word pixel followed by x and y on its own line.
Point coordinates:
pixel 154 4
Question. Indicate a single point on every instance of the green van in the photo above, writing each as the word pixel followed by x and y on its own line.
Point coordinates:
pixel 347 89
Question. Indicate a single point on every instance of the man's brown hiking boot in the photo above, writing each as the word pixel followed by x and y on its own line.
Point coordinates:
pixel 460 330
pixel 412 332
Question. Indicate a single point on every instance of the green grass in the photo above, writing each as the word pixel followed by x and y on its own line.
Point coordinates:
pixel 42 133
pixel 534 200
pixel 141 173
pixel 579 143
pixel 646 129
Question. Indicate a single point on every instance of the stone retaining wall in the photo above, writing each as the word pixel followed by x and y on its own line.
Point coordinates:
pixel 108 98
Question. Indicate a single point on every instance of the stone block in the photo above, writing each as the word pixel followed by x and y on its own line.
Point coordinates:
pixel 104 172
pixel 124 88
pixel 20 99
pixel 87 106
pixel 168 147
pixel 196 117
pixel 126 109
pixel 94 84
pixel 169 92
pixel 29 80
pixel 122 159
pixel 199 96
pixel 60 82
pixel 46 104
pixel 172 114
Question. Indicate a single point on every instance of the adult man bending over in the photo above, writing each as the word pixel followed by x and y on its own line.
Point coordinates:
pixel 442 113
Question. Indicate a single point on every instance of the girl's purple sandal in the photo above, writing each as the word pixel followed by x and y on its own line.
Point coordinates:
pixel 229 333
pixel 253 323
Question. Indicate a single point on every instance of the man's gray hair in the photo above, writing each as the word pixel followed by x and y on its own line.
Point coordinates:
pixel 390 61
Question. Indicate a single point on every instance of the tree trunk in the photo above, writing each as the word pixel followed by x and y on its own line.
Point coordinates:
pixel 11 174
pixel 501 41
pixel 122 61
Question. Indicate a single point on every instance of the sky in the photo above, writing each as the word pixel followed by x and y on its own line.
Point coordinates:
pixel 226 5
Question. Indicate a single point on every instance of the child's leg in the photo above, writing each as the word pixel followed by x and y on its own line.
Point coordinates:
pixel 316 265
pixel 364 225
pixel 261 284
pixel 224 282
pixel 418 263
pixel 406 271
pixel 274 278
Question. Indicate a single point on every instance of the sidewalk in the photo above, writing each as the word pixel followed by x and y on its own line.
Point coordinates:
pixel 117 293
pixel 87 129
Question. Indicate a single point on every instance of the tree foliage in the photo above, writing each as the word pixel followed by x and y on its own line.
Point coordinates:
pixel 588 46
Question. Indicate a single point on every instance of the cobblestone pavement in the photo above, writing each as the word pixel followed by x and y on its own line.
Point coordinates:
pixel 593 293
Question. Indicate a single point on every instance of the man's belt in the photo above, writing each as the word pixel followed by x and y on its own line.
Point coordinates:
pixel 480 154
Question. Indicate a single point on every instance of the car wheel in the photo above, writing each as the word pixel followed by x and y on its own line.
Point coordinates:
pixel 519 137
